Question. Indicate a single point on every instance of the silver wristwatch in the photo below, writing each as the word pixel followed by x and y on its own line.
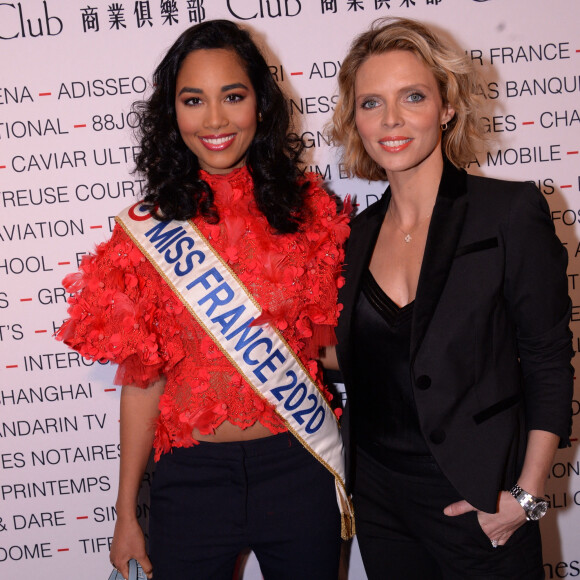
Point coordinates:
pixel 535 507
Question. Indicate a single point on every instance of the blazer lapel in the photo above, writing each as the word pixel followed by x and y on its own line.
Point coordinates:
pixel 442 239
pixel 365 230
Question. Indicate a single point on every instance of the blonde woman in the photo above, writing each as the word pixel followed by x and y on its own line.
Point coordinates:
pixel 453 341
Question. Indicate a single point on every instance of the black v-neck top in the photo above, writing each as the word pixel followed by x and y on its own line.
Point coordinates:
pixel 384 416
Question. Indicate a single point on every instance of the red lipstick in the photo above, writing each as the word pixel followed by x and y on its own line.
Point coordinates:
pixel 217 142
pixel 395 144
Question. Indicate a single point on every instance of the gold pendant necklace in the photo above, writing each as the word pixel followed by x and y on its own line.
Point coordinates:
pixel 408 237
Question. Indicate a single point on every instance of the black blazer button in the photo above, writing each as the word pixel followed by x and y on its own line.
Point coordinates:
pixel 437 436
pixel 423 382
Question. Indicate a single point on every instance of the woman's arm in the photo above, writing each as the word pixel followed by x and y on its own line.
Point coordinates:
pixel 542 446
pixel 328 358
pixel 139 409
pixel 536 292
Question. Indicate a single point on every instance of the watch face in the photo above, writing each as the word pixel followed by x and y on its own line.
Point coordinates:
pixel 539 510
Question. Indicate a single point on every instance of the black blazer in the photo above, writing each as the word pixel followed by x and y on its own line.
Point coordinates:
pixel 490 343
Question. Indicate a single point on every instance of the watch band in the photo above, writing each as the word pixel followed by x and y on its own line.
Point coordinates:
pixel 516 490
pixel 535 507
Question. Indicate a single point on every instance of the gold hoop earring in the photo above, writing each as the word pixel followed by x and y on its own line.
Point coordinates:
pixel 444 127
pixel 259 117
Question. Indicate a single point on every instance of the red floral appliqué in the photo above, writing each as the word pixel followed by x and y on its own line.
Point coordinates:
pixel 122 310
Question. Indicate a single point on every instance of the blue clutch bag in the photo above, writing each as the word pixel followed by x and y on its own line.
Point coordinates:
pixel 135 572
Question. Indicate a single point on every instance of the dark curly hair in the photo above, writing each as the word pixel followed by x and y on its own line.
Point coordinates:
pixel 173 185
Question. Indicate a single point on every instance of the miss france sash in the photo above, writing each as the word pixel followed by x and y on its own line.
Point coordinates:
pixel 225 309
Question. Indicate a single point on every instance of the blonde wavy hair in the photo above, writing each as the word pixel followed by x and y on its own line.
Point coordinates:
pixel 458 83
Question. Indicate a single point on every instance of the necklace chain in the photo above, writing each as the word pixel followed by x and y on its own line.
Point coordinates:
pixel 408 237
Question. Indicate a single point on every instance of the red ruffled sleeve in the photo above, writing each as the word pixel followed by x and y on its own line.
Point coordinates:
pixel 326 234
pixel 120 311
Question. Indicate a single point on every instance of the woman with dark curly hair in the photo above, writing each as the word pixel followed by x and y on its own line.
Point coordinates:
pixel 214 296
pixel 453 342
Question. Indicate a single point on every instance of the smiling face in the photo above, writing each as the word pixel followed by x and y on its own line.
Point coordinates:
pixel 399 111
pixel 215 106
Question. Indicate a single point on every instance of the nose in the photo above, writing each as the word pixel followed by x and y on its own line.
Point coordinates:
pixel 392 115
pixel 215 117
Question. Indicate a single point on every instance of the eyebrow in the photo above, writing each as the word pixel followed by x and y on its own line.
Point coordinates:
pixel 409 87
pixel 224 89
pixel 367 95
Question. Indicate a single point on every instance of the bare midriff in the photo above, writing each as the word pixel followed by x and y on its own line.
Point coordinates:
pixel 227 432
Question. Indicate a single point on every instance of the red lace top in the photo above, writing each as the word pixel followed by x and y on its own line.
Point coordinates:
pixel 121 310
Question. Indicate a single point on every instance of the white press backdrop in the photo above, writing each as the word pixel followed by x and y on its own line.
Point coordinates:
pixel 70 71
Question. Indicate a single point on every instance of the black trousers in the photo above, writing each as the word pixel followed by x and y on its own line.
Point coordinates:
pixel 403 533
pixel 211 501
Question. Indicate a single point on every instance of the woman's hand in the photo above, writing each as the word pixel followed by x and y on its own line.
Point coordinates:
pixel 510 516
pixel 129 542
pixel 499 526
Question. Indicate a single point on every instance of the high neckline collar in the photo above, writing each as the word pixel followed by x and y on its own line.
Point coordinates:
pixel 238 176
